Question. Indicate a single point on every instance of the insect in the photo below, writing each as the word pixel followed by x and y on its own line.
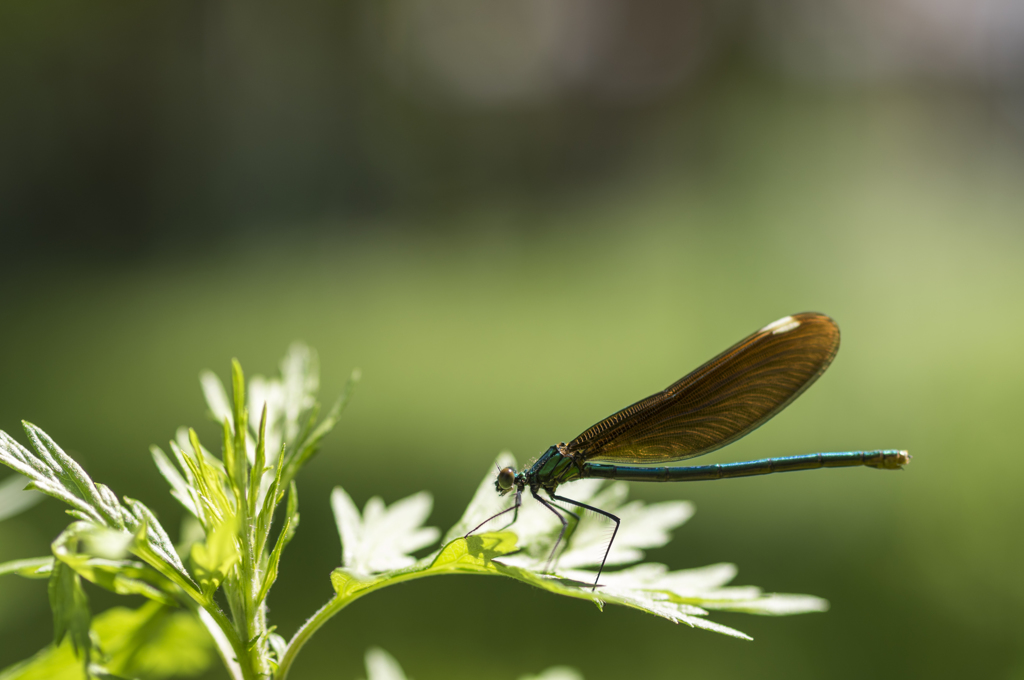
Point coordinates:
pixel 726 398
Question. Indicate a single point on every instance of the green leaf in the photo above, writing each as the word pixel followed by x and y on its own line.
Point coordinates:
pixel 107 570
pixel 521 551
pixel 383 537
pixel 151 642
pixel 154 642
pixel 648 525
pixel 191 532
pixel 70 611
pixel 216 397
pixel 180 489
pixel 287 399
pixel 258 466
pixel 34 567
pixel 143 549
pixel 476 553
pixel 156 537
pixel 300 381
pixel 238 470
pixel 291 522
pixel 205 481
pixel 213 559
pixel 382 666
pixel 230 458
pixel 265 517
pixel 481 554
pixel 555 673
pixel 53 472
pixel 14 498
pixel 308 443
pixel 277 643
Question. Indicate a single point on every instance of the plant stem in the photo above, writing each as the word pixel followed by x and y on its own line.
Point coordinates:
pixel 339 602
pixel 223 632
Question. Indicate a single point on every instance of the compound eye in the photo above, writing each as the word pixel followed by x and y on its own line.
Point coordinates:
pixel 506 478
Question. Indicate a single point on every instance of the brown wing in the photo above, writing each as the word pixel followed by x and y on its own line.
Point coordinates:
pixel 721 401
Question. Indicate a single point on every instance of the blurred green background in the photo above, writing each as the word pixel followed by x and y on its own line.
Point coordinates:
pixel 516 219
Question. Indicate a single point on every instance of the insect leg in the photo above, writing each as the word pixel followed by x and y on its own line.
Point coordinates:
pixel 565 525
pixel 600 512
pixel 514 510
pixel 565 510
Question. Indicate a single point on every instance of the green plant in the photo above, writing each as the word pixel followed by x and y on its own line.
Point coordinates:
pixel 233 547
pixel 382 666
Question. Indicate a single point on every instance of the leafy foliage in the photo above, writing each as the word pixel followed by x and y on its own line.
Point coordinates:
pixel 383 538
pixel 54 473
pixel 233 552
pixel 382 666
pixel 121 546
pixel 14 498
pixel 521 552
pixel 103 519
pixel 153 642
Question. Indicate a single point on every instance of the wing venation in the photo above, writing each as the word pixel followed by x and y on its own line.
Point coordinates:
pixel 721 401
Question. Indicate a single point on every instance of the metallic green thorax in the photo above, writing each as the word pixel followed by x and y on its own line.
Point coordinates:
pixel 552 469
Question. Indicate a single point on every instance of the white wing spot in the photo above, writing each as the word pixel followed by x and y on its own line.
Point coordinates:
pixel 783 325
